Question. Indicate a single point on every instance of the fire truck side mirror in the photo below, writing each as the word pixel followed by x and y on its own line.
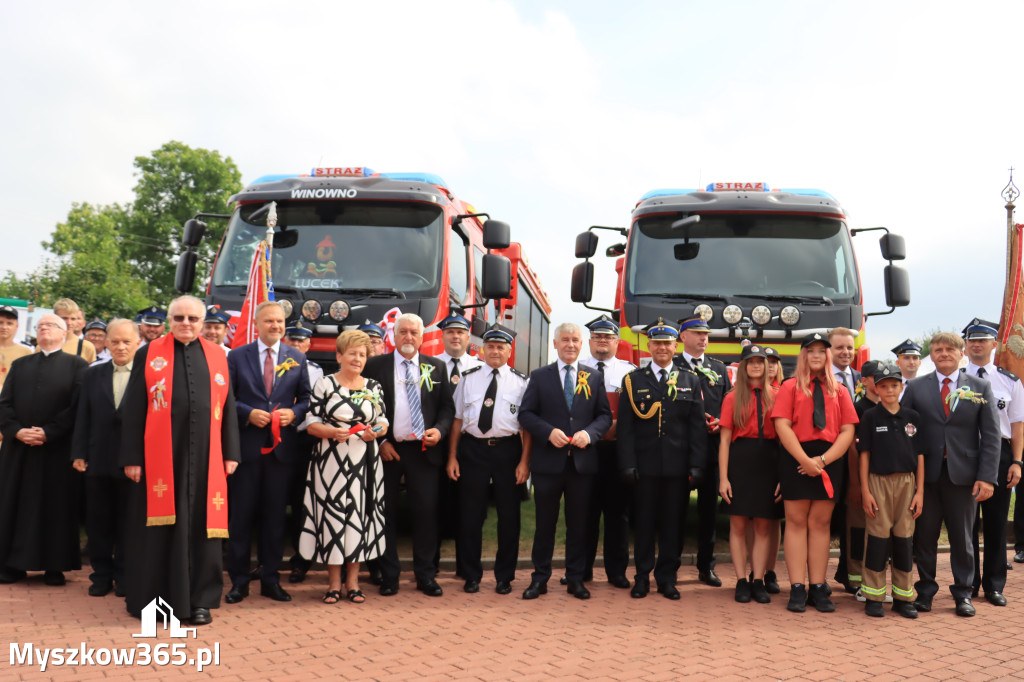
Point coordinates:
pixel 496 236
pixel 582 287
pixel 893 246
pixel 615 250
pixel 897 286
pixel 497 277
pixel 185 275
pixel 586 244
pixel 193 233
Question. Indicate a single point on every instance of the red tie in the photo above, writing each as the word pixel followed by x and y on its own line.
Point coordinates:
pixel 268 372
pixel 943 394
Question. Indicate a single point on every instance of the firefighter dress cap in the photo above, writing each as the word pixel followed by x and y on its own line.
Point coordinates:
pixel 96 324
pixel 298 332
pixel 694 324
pixel 980 329
pixel 498 333
pixel 8 311
pixel 888 370
pixel 815 338
pixel 869 368
pixel 603 325
pixel 371 329
pixel 152 315
pixel 754 350
pixel 908 347
pixel 215 315
pixel 455 320
pixel 661 331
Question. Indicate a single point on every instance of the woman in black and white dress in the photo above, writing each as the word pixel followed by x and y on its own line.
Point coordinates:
pixel 345 485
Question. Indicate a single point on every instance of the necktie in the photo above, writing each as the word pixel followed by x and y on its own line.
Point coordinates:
pixel 567 386
pixel 455 370
pixel 760 414
pixel 268 372
pixel 818 418
pixel 844 379
pixel 600 367
pixel 981 372
pixel 487 411
pixel 664 376
pixel 943 394
pixel 412 391
pixel 696 364
pixel 120 383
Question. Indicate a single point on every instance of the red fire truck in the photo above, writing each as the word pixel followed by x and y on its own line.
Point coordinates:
pixel 758 264
pixel 350 244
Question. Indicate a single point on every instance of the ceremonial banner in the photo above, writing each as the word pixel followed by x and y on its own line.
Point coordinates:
pixel 1010 348
pixel 259 290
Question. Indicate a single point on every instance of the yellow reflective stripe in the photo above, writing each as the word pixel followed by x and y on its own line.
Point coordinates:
pixel 853 578
pixel 878 592
pixel 909 594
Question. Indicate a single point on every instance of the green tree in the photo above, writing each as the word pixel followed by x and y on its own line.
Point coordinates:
pixel 117 259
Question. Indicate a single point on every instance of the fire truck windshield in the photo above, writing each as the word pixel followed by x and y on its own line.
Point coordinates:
pixel 754 255
pixel 340 245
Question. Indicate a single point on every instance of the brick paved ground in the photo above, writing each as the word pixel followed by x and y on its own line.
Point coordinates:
pixel 490 637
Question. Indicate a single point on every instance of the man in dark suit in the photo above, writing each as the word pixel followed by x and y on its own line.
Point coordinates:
pixel 95 449
pixel 565 409
pixel 844 352
pixel 271 386
pixel 960 429
pixel 419 407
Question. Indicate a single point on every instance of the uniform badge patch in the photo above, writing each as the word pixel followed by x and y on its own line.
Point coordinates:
pixel 158 363
pixel 512 409
pixel 1001 404
pixel 910 429
pixel 456 379
pixel 488 402
pixel 218 379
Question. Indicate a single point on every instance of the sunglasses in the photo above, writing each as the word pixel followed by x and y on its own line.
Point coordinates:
pixel 192 319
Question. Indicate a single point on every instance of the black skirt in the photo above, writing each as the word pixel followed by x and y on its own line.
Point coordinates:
pixel 797 486
pixel 753 475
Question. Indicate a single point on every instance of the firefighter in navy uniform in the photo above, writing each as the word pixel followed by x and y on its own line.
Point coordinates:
pixel 714 384
pixel 662 446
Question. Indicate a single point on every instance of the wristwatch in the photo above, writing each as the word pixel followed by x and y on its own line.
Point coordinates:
pixel 1018 463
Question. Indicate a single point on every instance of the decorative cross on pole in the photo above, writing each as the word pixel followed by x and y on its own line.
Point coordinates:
pixel 160 487
pixel 1009 194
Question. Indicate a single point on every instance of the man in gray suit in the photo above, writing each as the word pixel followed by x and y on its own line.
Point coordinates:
pixel 960 429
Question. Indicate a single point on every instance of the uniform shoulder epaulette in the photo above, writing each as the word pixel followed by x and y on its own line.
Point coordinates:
pixel 521 375
pixel 713 361
pixel 471 370
pixel 1004 371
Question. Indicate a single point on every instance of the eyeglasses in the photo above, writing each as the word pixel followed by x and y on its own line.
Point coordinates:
pixel 192 319
pixel 48 325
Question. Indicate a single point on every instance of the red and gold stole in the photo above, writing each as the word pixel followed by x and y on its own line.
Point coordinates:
pixel 159 448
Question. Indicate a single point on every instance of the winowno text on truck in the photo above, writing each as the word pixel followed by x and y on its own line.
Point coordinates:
pixel 760 265
pixel 350 244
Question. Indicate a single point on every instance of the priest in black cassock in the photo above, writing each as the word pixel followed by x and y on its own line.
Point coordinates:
pixel 38 494
pixel 179 442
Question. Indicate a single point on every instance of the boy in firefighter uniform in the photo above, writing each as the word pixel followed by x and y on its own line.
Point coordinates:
pixel 892 476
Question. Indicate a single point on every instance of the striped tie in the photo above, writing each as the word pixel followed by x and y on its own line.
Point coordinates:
pixel 412 390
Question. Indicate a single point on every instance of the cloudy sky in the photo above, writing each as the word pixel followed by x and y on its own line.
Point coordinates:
pixel 553 116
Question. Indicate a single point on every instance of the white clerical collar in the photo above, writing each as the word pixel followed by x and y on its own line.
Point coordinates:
pixel 48 353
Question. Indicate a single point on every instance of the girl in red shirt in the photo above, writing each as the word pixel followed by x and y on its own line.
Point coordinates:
pixel 815 422
pixel 748 471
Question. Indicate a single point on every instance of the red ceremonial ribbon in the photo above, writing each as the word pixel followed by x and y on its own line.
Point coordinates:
pixel 275 432
pixel 357 428
pixel 828 484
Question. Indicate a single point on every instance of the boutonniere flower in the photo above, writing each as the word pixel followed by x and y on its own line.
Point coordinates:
pixel 359 396
pixel 859 391
pixel 288 364
pixel 963 393
pixel 426 376
pixel 670 384
pixel 712 375
pixel 581 384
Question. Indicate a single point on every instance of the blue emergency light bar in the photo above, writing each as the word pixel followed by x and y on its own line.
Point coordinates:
pixel 655 193
pixel 430 178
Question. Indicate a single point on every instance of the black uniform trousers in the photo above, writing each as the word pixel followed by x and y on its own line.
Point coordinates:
pixel 1018 519
pixel 707 510
pixel 611 498
pixel 658 502
pixel 422 484
pixel 296 498
pixel 547 493
pixel 257 495
pixel 448 515
pixel 953 504
pixel 105 519
pixel 991 519
pixel 481 462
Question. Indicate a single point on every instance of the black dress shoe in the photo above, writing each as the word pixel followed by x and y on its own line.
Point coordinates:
pixel 1019 557
pixel 119 590
pixel 975 591
pixel 54 578
pixel 274 591
pixel 8 576
pixel 201 617
pixel 237 593
pixel 535 589
pixel 669 591
pixel 388 589
pixel 563 581
pixel 577 589
pixel 640 588
pixel 922 605
pixel 995 598
pixel 429 587
pixel 503 587
pixel 619 581
pixel 297 575
pixel 100 589
pixel 964 607
pixel 376 577
pixel 471 586
pixel 708 577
